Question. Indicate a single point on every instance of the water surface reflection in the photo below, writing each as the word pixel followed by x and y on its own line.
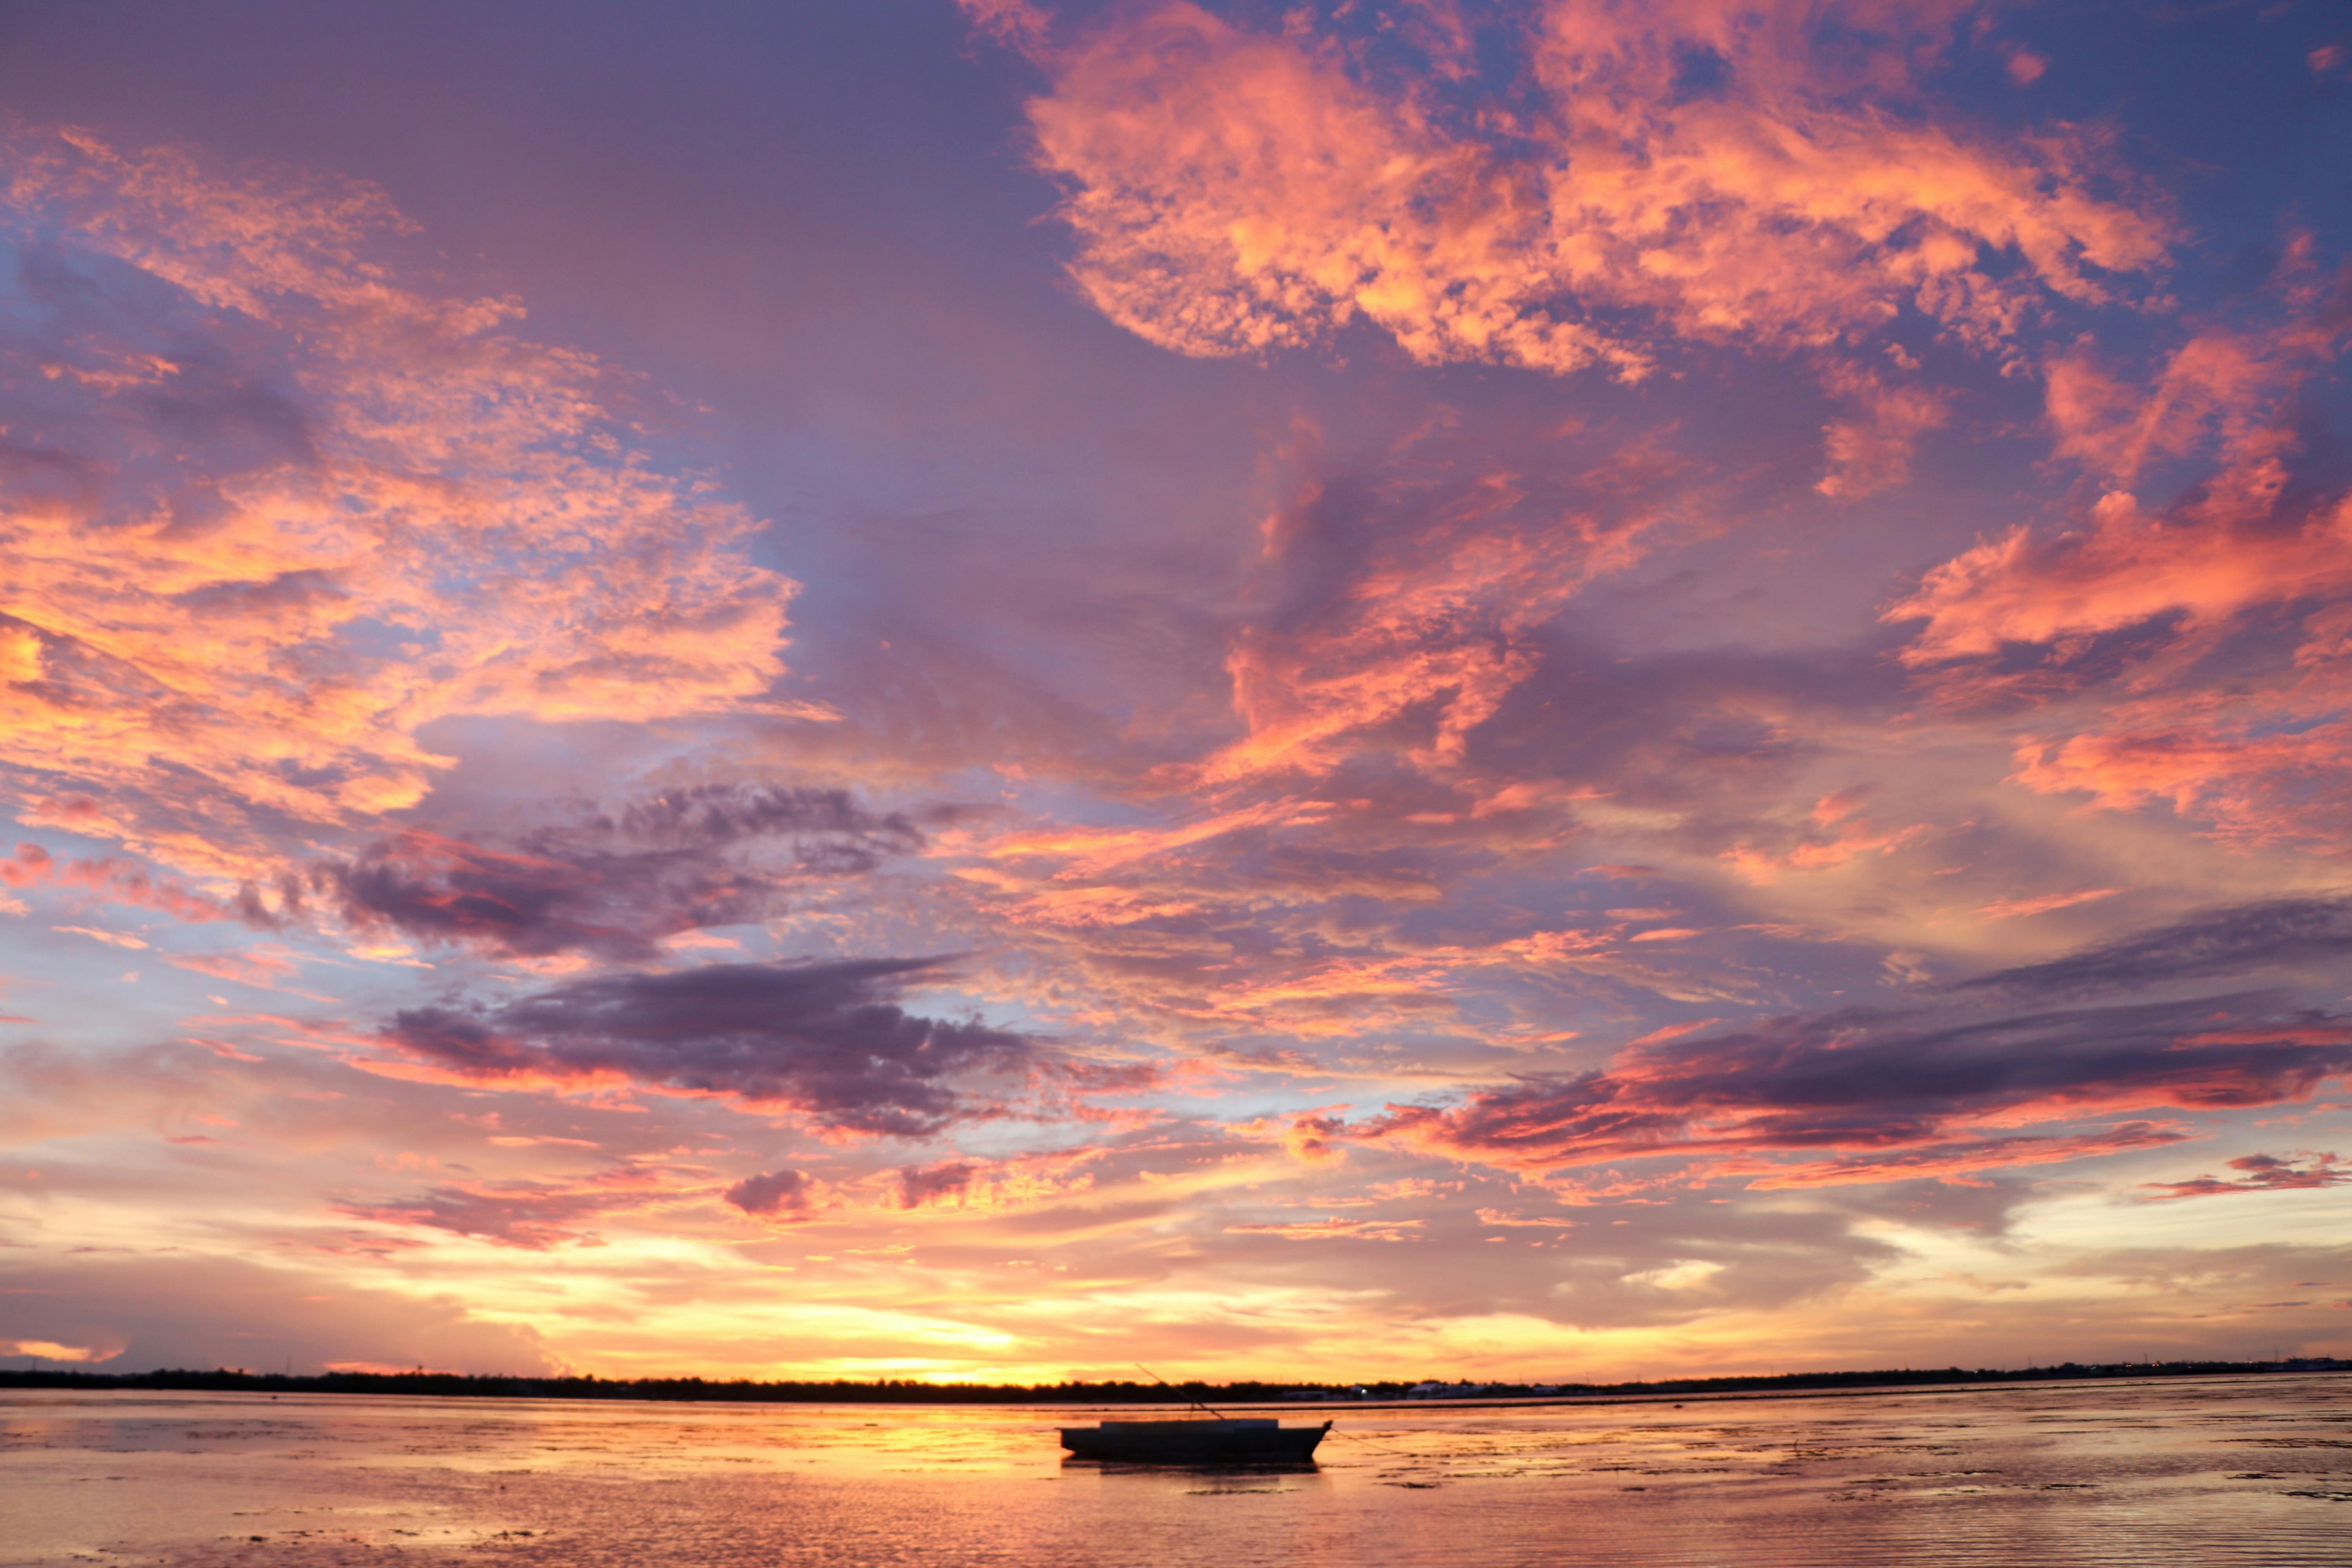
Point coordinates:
pixel 2242 1470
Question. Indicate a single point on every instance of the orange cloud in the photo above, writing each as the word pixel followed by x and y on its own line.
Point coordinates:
pixel 2012 909
pixel 1871 451
pixel 111 938
pixel 1333 1229
pixel 2261 757
pixel 1441 628
pixel 2208 626
pixel 403 513
pixel 2126 568
pixel 1234 191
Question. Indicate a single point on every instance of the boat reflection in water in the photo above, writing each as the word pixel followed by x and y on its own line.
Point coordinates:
pixel 1247 1440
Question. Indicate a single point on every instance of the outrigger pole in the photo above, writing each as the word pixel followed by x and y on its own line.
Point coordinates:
pixel 1173 1389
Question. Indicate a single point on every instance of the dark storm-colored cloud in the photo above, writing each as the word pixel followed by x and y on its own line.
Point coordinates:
pixel 1900 1095
pixel 824 1038
pixel 826 829
pixel 2276 932
pixel 785 1194
pixel 614 883
pixel 919 1185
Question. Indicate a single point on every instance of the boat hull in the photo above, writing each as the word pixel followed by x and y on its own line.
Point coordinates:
pixel 1194 1442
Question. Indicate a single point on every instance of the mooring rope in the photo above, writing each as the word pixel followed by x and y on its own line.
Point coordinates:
pixel 1330 1429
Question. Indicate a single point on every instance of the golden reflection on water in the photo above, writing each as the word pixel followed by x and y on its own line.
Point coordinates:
pixel 2254 1470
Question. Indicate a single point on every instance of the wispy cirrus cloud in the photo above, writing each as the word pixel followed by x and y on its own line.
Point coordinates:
pixel 114 880
pixel 270 512
pixel 2235 940
pixel 1404 602
pixel 1335 1228
pixel 533 1215
pixel 2044 903
pixel 2261 1173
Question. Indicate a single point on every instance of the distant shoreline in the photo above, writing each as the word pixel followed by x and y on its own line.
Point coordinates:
pixel 1308 1396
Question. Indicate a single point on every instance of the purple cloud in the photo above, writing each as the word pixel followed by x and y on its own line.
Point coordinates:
pixel 2262 1173
pixel 2237 939
pixel 614 883
pixel 822 1039
pixel 781 1193
pixel 1899 1095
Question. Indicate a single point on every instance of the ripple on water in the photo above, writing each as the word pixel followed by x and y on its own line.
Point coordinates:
pixel 2224 1472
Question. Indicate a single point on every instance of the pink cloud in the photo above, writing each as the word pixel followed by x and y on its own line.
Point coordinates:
pixel 2262 1174
pixel 2043 903
pixel 2137 608
pixel 1234 191
pixel 433 517
pixel 116 880
pixel 265 968
pixel 2126 568
pixel 1016 24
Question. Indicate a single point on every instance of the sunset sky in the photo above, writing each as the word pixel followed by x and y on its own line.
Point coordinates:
pixel 1569 689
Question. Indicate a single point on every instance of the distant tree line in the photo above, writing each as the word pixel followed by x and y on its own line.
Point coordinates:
pixel 909 1391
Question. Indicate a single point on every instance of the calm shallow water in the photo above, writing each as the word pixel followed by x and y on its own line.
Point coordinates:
pixel 2185 1472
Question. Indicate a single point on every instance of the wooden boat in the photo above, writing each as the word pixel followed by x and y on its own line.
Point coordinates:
pixel 1244 1440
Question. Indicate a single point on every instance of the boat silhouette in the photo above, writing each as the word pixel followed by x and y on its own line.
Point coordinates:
pixel 1226 1441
